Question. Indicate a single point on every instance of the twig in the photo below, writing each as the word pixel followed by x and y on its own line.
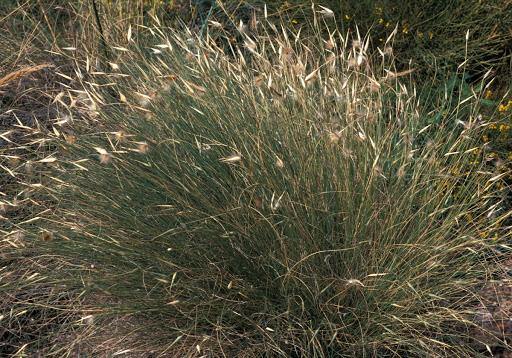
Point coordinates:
pixel 100 29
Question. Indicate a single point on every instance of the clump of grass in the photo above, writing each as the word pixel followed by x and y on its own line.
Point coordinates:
pixel 296 200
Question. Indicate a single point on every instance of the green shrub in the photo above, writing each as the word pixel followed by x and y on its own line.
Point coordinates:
pixel 297 203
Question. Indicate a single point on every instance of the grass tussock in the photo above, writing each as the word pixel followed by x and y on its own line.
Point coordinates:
pixel 289 198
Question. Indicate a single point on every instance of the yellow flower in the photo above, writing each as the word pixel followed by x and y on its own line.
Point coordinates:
pixel 493 126
pixel 504 127
pixel 488 94
pixel 381 21
pixel 505 107
pixel 485 138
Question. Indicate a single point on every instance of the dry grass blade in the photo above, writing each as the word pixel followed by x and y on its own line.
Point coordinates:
pixel 391 74
pixel 22 73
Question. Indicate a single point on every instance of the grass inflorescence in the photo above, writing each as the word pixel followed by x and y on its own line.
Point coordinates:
pixel 430 33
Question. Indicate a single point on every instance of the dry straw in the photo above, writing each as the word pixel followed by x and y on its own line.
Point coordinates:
pixel 13 76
